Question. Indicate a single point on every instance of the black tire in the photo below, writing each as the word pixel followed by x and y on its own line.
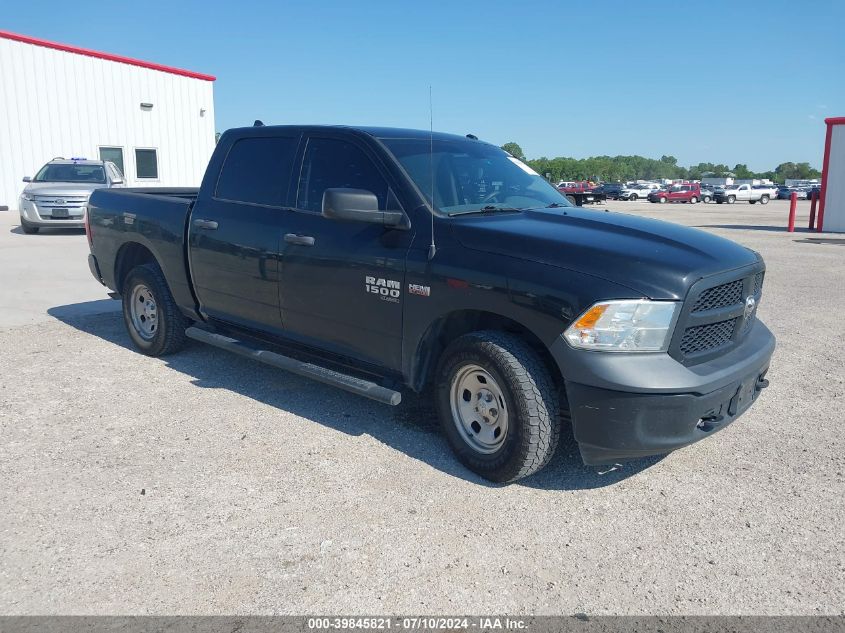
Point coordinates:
pixel 693 200
pixel 29 229
pixel 731 199
pixel 752 202
pixel 572 200
pixel 531 400
pixel 663 199
pixel 764 200
pixel 632 197
pixel 706 199
pixel 169 335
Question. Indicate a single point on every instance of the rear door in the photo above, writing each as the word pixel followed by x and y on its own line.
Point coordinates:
pixel 236 227
pixel 343 282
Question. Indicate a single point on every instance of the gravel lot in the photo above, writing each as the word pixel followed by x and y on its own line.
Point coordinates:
pixel 204 483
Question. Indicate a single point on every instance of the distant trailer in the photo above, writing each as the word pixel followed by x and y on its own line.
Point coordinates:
pixel 832 195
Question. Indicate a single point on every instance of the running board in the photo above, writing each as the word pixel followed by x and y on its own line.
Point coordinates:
pixel 315 372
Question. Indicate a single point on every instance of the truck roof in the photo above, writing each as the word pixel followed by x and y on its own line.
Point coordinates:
pixel 375 131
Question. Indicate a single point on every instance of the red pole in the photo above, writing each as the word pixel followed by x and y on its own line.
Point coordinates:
pixel 793 202
pixel 813 198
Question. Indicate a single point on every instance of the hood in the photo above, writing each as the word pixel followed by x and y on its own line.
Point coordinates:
pixel 655 259
pixel 67 189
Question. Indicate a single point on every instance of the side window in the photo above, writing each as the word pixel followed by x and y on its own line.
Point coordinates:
pixel 146 164
pixel 330 163
pixel 257 170
pixel 112 155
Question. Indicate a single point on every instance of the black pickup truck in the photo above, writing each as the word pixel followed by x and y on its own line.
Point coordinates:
pixel 378 260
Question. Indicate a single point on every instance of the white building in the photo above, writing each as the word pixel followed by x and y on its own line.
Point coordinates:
pixel 155 122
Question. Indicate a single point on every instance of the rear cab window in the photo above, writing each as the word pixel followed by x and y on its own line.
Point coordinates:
pixel 257 170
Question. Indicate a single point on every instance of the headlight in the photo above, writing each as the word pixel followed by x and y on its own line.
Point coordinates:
pixel 625 326
pixel 27 196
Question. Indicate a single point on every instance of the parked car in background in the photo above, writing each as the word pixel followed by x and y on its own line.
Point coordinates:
pixel 817 191
pixel 689 192
pixel 636 192
pixel 707 193
pixel 611 190
pixel 581 192
pixel 785 193
pixel 742 193
pixel 771 190
pixel 58 194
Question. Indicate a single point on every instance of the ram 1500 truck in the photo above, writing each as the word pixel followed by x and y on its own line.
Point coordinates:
pixel 378 260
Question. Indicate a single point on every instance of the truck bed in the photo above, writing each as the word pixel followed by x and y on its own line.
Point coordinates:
pixel 154 218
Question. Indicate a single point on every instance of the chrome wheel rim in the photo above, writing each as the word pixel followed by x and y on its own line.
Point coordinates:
pixel 479 411
pixel 142 309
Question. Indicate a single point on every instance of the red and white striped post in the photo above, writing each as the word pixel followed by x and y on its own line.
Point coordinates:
pixel 793 202
pixel 813 199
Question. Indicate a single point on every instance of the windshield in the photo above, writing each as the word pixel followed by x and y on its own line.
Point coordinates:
pixel 472 176
pixel 62 172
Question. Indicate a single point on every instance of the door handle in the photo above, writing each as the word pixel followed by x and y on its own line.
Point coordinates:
pixel 301 240
pixel 209 225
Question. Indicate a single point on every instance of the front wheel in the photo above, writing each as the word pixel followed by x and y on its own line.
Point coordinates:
pixel 706 199
pixel 29 229
pixel 693 200
pixel 497 405
pixel 155 324
pixel 662 200
pixel 752 202
pixel 731 199
pixel 632 197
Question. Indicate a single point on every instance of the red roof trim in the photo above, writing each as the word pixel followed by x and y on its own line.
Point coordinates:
pixel 836 120
pixel 112 58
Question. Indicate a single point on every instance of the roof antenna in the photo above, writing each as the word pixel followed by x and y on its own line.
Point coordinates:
pixel 432 249
pixel 258 123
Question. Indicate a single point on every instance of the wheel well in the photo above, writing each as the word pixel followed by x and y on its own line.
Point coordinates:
pixel 130 255
pixel 455 324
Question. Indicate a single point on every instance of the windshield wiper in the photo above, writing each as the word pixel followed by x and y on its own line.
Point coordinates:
pixel 555 205
pixel 488 209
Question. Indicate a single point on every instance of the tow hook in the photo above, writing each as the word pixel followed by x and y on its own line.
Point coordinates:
pixel 709 422
pixel 762 383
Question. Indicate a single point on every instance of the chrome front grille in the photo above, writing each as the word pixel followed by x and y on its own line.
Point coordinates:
pixel 60 207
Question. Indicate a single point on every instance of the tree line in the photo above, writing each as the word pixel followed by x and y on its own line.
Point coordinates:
pixel 628 168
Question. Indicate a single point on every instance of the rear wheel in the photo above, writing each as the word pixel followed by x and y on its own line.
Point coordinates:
pixel 764 200
pixel 572 200
pixel 29 229
pixel 706 198
pixel 731 199
pixel 155 324
pixel 633 197
pixel 497 405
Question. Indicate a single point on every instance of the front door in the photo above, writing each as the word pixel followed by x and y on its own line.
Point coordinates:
pixel 343 282
pixel 236 229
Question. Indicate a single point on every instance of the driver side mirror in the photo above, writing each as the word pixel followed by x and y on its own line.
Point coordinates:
pixel 358 205
pixel 27 179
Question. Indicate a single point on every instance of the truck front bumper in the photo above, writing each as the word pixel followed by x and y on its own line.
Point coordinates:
pixel 626 406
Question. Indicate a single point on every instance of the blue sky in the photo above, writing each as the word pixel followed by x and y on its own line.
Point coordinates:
pixel 721 82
